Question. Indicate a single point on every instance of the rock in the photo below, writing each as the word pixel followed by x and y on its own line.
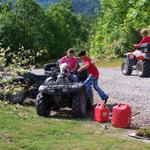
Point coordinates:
pixel 1 68
pixel 29 102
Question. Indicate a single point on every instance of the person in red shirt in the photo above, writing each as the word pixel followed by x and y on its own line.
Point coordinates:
pixel 93 76
pixel 72 64
pixel 145 39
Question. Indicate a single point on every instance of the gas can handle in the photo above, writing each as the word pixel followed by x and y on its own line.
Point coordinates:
pixel 119 104
pixel 103 105
pixel 99 104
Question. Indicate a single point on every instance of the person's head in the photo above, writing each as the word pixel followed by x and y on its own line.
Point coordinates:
pixel 144 32
pixel 70 52
pixel 82 54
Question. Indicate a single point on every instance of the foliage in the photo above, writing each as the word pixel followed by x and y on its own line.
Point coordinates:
pixel 25 24
pixel 21 62
pixel 143 132
pixel 21 59
pixel 68 28
pixel 117 29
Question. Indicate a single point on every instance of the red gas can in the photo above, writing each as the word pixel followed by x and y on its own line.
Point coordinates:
pixel 121 116
pixel 101 113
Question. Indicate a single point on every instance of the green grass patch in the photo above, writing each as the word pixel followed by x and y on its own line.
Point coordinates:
pixel 145 132
pixel 109 62
pixel 21 128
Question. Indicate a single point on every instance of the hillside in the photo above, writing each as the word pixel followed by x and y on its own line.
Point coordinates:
pixel 45 3
pixel 85 7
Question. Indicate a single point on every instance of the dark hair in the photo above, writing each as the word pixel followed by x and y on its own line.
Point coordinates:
pixel 71 50
pixel 82 53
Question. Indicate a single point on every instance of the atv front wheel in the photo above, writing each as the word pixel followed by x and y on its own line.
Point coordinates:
pixel 143 68
pixel 42 105
pixel 125 69
pixel 90 101
pixel 79 105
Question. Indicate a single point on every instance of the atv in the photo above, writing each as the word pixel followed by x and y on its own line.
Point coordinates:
pixel 59 91
pixel 138 60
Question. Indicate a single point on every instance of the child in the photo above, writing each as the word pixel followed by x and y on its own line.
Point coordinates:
pixel 145 39
pixel 72 63
pixel 93 76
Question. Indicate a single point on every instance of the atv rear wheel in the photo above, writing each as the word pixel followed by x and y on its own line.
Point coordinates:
pixel 143 68
pixel 79 105
pixel 42 105
pixel 125 69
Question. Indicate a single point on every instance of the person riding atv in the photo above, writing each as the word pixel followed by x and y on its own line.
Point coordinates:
pixel 140 58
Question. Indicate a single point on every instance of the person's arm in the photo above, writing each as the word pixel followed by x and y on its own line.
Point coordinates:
pixel 83 68
pixel 62 60
pixel 75 68
pixel 139 44
pixel 76 65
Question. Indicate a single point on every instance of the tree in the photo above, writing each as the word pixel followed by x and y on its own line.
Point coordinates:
pixel 67 28
pixel 25 25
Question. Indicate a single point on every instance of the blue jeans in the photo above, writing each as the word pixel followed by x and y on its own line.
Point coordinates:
pixel 91 80
pixel 73 76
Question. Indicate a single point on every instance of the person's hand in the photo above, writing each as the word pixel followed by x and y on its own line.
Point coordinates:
pixel 135 45
pixel 68 74
pixel 79 70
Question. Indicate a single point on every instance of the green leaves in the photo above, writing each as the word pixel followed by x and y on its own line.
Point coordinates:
pixel 67 28
pixel 118 28
pixel 26 24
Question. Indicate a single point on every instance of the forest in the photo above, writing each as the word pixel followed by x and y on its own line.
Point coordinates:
pixel 31 34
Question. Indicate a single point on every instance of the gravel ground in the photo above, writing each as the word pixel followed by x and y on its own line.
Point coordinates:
pixel 132 90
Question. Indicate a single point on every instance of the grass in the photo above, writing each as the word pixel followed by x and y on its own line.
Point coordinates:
pixel 145 132
pixel 109 62
pixel 21 128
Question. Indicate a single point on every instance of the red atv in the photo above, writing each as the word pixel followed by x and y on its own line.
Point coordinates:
pixel 138 60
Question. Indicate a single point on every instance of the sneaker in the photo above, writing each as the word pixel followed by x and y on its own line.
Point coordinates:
pixel 105 100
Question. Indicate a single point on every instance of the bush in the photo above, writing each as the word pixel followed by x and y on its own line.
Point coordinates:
pixel 145 132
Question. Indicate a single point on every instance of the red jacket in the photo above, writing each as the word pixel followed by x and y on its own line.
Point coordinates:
pixel 144 40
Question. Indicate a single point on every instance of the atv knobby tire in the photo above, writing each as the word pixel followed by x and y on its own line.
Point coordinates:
pixel 143 68
pixel 42 105
pixel 125 69
pixel 90 101
pixel 79 105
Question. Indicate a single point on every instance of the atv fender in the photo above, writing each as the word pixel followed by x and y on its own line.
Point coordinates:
pixel 130 59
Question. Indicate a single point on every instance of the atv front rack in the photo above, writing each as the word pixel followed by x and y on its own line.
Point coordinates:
pixel 62 89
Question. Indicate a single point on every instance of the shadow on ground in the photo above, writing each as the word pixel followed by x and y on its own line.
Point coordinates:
pixel 66 113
